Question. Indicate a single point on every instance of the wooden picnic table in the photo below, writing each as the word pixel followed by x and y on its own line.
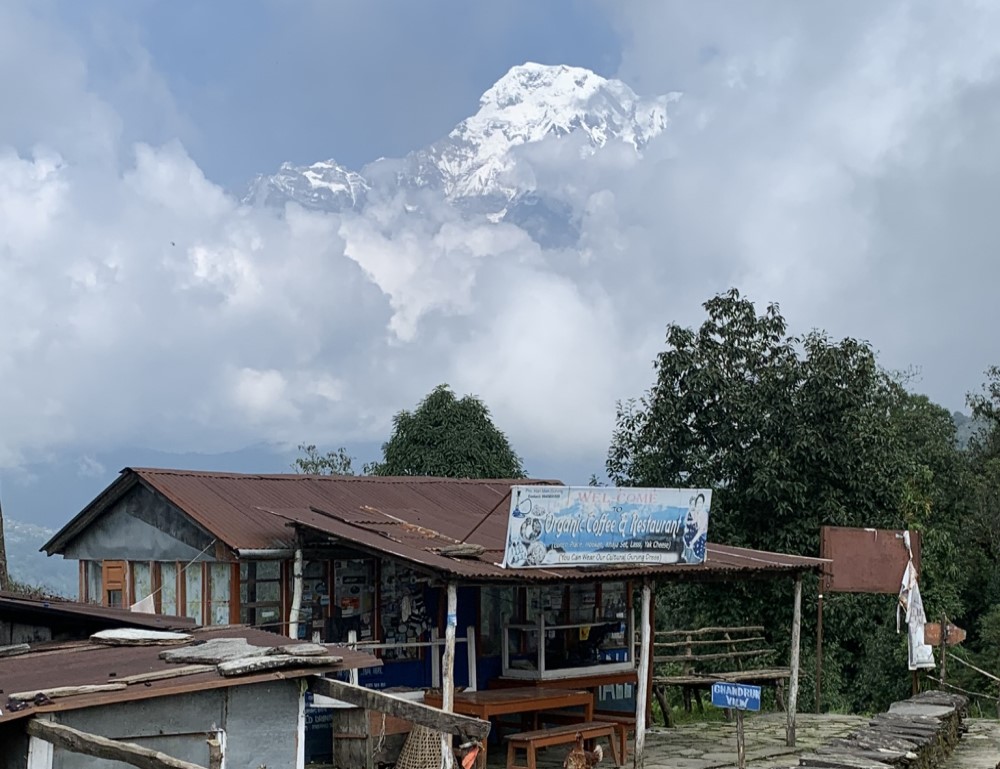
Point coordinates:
pixel 499 702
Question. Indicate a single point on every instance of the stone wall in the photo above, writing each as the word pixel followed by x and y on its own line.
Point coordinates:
pixel 918 733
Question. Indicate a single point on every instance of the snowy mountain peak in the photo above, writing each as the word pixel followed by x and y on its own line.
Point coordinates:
pixel 324 185
pixel 533 102
pixel 477 164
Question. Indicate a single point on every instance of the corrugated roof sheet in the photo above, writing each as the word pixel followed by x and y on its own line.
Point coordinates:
pixel 80 663
pixel 389 534
pixel 408 517
pixel 17 605
pixel 233 507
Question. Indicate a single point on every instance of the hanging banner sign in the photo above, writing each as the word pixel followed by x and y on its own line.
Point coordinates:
pixel 593 525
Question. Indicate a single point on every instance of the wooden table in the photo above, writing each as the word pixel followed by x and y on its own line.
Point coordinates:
pixel 499 702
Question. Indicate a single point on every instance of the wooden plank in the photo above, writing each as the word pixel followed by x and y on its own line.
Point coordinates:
pixel 14 650
pixel 713 656
pixel 159 675
pixel 707 630
pixel 712 642
pixel 932 634
pixel 370 699
pixel 239 667
pixel 86 744
pixel 67 691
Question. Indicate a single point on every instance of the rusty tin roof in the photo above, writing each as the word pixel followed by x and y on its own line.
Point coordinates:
pixel 79 663
pixel 39 608
pixel 411 518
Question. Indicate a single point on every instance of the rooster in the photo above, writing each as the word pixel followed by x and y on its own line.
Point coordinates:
pixel 579 758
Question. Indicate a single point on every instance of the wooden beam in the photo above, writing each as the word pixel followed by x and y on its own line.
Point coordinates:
pixel 75 741
pixel 642 679
pixel 408 710
pixel 793 679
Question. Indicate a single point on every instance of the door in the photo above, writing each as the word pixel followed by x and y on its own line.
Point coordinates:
pixel 113 579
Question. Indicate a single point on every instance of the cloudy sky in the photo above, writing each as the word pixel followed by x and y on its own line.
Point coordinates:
pixel 838 158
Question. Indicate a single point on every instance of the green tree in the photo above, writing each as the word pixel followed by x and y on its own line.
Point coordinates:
pixel 312 462
pixel 791 433
pixel 450 437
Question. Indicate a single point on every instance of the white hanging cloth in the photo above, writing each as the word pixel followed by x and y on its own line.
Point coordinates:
pixel 921 654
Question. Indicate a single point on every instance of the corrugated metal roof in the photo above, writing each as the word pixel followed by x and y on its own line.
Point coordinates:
pixel 233 507
pixel 80 663
pixel 16 605
pixel 408 517
pixel 422 546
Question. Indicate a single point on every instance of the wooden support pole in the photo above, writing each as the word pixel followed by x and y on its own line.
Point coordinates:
pixel 652 642
pixel 448 673
pixel 642 679
pixel 75 741
pixel 793 678
pixel 465 727
pixel 470 651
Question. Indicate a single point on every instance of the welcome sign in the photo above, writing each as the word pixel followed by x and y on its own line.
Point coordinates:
pixel 551 526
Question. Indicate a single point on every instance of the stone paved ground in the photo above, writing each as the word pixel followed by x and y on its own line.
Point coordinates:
pixel 979 748
pixel 712 744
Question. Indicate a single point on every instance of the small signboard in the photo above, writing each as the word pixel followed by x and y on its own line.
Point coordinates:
pixel 591 525
pixel 736 696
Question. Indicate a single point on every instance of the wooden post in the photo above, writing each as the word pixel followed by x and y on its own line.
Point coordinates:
pixel 642 679
pixel 944 649
pixel 819 648
pixel 741 744
pixel 448 673
pixel 74 741
pixel 352 642
pixel 470 652
pixel 652 641
pixel 793 680
pixel 296 608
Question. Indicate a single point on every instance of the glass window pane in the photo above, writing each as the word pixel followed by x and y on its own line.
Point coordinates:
pixel 221 574
pixel 142 581
pixel 93 582
pixel 268 569
pixel 168 588
pixel 192 590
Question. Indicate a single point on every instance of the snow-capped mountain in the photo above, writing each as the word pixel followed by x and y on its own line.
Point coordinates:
pixel 476 165
pixel 531 103
pixel 324 185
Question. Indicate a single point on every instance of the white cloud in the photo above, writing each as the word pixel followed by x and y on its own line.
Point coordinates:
pixel 840 162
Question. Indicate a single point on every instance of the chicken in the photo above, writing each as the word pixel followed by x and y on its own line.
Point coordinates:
pixel 579 758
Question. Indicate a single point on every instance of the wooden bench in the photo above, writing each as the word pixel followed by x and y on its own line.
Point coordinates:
pixel 623 723
pixel 709 655
pixel 530 742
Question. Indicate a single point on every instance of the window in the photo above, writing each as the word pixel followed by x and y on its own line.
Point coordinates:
pixel 192 593
pixel 168 589
pixel 260 594
pixel 220 579
pixel 93 582
pixel 496 607
pixel 113 582
pixel 142 581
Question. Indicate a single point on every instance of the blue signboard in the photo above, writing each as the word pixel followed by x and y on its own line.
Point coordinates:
pixel 736 696
pixel 588 525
